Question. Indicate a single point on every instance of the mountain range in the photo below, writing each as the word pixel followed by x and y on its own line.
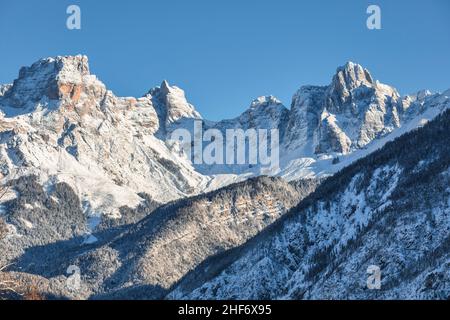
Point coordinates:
pixel 94 180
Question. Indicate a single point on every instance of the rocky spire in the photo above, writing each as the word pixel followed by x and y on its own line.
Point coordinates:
pixel 347 78
pixel 171 104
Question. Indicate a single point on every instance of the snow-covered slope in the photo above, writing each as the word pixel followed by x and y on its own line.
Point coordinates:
pixel 140 258
pixel 390 209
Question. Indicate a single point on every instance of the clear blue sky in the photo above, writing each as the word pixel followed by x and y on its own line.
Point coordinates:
pixel 224 53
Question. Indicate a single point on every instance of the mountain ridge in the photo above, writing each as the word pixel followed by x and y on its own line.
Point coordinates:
pixel 62 124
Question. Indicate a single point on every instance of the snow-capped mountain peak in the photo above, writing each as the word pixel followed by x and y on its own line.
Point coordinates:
pixel 350 76
pixel 352 82
pixel 265 101
pixel 346 115
pixel 62 78
pixel 171 105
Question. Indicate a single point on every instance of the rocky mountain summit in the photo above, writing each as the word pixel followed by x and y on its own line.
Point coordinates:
pixel 170 105
pixel 348 114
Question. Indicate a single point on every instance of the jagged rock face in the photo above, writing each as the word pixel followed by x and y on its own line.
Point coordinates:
pixel 305 116
pixel 331 136
pixel 4 88
pixel 265 112
pixel 52 78
pixel 365 108
pixel 171 106
pixel 348 114
pixel 346 79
